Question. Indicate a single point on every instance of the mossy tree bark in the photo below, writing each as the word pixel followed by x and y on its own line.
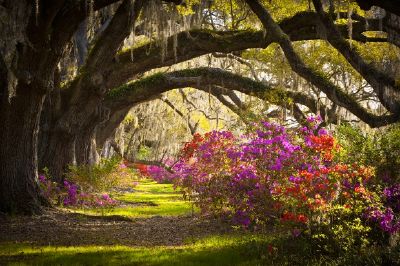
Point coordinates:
pixel 19 190
pixel 31 44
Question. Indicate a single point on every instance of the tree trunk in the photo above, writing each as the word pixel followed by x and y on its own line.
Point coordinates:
pixel 56 145
pixel 20 115
pixel 106 130
pixel 86 148
pixel 58 155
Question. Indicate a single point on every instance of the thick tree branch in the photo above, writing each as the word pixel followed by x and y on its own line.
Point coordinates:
pixel 82 98
pixel 389 5
pixel 204 78
pixel 68 18
pixel 302 26
pixel 219 94
pixel 117 30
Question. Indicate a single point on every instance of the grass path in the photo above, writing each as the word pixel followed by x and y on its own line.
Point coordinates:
pixel 149 199
pixel 154 226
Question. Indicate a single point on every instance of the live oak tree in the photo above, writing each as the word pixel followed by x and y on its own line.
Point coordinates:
pixel 76 106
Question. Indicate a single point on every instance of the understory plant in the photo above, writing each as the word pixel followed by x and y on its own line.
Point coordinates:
pixel 70 194
pixel 86 186
pixel 106 175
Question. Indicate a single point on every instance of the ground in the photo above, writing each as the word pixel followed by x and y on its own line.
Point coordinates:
pixel 154 226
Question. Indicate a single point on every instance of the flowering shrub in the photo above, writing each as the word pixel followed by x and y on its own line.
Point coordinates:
pixel 162 174
pixel 69 194
pixel 385 216
pixel 49 188
pixel 290 177
pixel 142 169
pixel 380 150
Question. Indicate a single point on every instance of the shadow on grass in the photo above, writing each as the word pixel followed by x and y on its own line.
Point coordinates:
pixel 137 203
pixel 244 249
pixel 110 218
pixel 226 255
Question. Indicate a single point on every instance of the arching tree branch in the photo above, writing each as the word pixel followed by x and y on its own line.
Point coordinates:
pixel 194 43
pixel 117 30
pixel 202 78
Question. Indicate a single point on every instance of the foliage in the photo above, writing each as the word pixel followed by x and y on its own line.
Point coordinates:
pixel 48 187
pixel 389 152
pixel 108 174
pixel 85 185
pixel 380 149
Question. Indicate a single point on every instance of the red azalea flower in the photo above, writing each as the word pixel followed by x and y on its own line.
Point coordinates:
pixel 302 218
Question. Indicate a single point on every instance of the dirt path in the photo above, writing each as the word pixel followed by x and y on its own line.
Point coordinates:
pixel 63 228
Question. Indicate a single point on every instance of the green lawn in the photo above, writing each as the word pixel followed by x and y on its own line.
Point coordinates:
pixel 223 250
pixel 218 250
pixel 149 199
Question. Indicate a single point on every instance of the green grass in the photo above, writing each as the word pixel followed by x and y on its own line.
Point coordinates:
pixel 234 249
pixel 152 199
pixel 218 250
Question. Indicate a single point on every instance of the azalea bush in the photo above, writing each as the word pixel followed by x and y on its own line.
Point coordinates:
pixel 292 178
pixel 162 174
pixel 70 194
pixel 378 149
pixel 86 186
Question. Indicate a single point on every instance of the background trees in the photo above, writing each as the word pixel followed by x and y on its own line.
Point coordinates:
pixel 72 70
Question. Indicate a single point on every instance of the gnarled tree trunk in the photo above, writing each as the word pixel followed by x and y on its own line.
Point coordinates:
pixel 86 148
pixel 58 154
pixel 19 190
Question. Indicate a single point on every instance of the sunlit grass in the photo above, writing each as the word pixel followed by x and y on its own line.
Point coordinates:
pixel 149 199
pixel 233 249
pixel 217 250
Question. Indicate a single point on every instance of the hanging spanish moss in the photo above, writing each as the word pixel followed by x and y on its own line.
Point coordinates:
pixel 37 11
pixel 338 9
pixel 91 13
pixel 350 23
pixel 161 21
pixel 133 32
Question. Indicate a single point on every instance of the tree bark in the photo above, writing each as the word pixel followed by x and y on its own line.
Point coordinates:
pixel 20 115
pixel 58 154
pixel 107 129
pixel 86 148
